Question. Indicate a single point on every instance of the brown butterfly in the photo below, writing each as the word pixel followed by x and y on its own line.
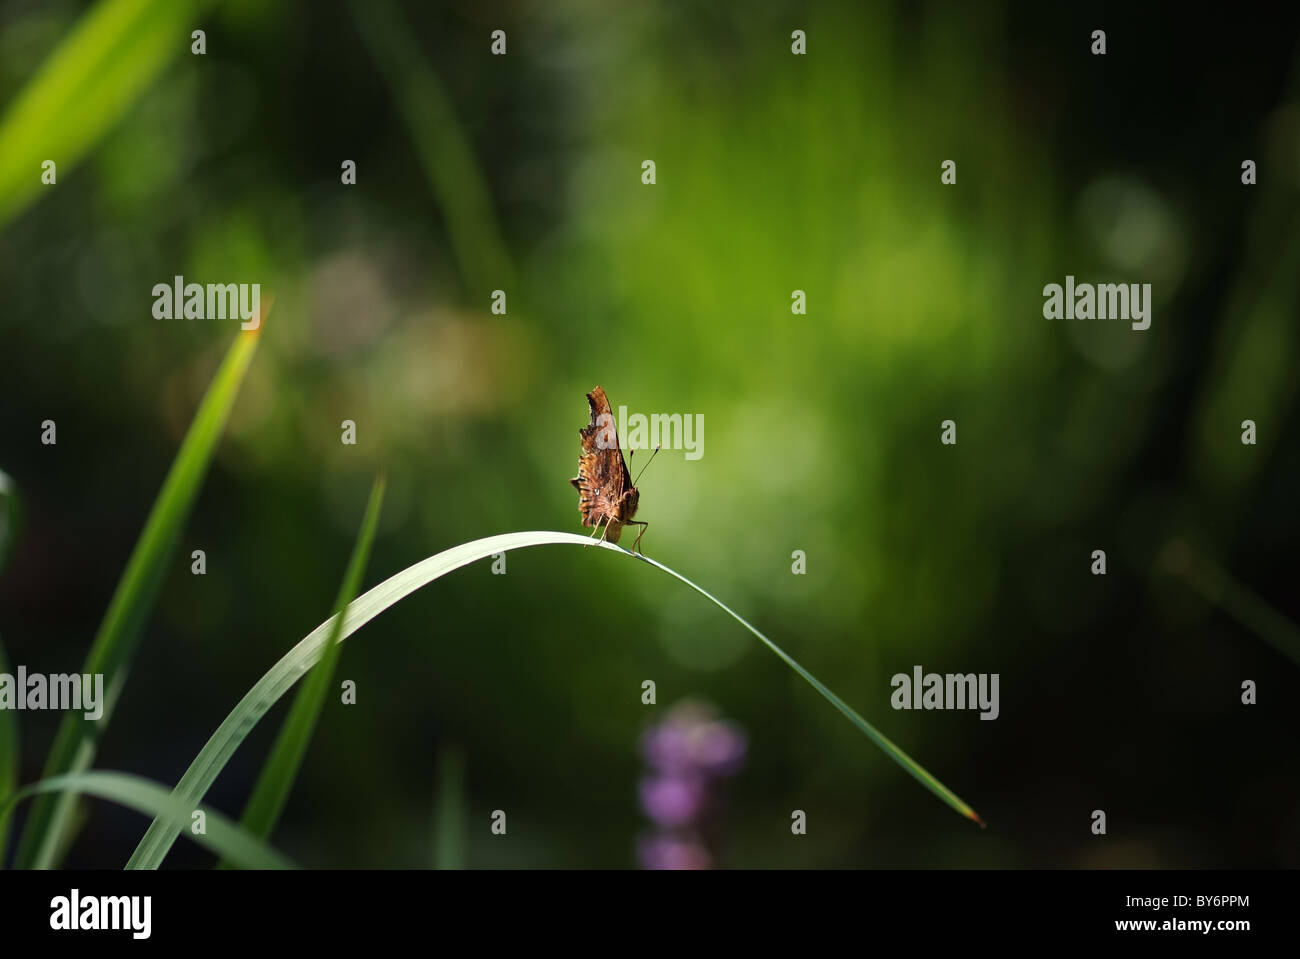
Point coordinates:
pixel 606 494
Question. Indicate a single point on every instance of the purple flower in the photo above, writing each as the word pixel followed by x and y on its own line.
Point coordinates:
pixel 687 752
pixel 672 852
pixel 666 747
pixel 719 748
pixel 672 800
pixel 690 741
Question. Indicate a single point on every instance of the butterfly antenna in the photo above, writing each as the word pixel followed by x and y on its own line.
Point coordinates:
pixel 648 462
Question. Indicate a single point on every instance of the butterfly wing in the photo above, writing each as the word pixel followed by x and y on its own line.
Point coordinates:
pixel 602 477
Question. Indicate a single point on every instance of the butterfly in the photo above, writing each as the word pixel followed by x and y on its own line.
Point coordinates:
pixel 606 494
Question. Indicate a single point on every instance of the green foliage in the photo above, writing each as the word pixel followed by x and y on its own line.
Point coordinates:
pixel 10 518
pixel 75 743
pixel 445 154
pixel 88 83
pixel 8 762
pixel 213 757
pixel 281 768
pixel 451 814
pixel 775 173
pixel 219 834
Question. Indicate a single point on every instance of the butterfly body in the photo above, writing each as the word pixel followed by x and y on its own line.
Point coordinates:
pixel 606 496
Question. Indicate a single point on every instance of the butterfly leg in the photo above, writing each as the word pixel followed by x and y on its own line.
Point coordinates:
pixel 644 526
pixel 596 529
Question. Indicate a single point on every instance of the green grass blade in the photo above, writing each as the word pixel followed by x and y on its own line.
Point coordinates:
pixel 1216 585
pixel 214 755
pixel 281 769
pixel 893 752
pixel 444 150
pixel 10 517
pixel 450 817
pixel 220 834
pixel 8 762
pixel 85 86
pixel 75 743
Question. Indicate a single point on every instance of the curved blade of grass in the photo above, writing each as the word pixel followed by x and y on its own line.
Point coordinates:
pixel 281 769
pixel 214 755
pixel 85 86
pixel 8 762
pixel 893 752
pixel 75 743
pixel 221 835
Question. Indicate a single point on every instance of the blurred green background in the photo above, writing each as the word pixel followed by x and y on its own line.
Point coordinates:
pixel 774 173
